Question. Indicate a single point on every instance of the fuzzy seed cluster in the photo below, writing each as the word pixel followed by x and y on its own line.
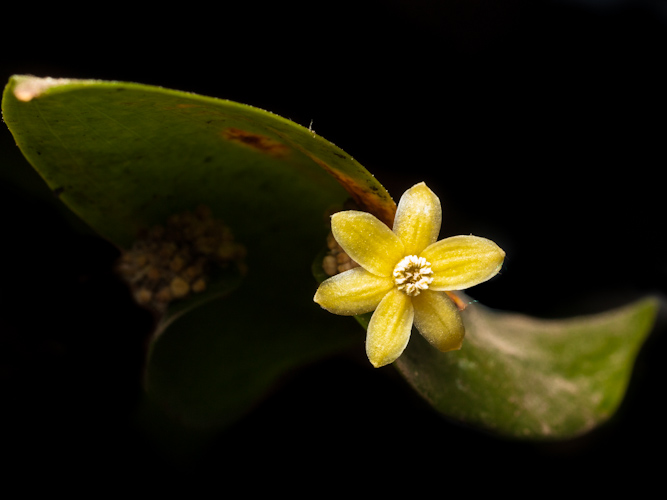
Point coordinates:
pixel 336 260
pixel 173 261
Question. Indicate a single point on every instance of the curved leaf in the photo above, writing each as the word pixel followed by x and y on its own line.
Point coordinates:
pixel 124 157
pixel 532 378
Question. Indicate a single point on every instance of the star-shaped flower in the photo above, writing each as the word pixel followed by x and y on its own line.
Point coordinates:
pixel 405 274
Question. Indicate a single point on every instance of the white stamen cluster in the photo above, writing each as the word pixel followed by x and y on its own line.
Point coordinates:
pixel 412 275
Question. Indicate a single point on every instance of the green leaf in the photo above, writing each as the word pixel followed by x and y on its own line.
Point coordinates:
pixel 228 360
pixel 532 378
pixel 124 157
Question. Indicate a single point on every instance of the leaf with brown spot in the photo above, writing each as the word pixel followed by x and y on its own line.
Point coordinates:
pixel 131 158
pixel 256 141
pixel 128 160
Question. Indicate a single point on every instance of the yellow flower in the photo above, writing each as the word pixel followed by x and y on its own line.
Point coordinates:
pixel 405 274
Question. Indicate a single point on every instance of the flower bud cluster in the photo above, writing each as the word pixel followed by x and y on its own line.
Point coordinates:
pixel 173 261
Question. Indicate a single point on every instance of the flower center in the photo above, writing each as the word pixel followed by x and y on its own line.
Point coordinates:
pixel 412 275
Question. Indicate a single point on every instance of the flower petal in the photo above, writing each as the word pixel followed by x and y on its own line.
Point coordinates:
pixel 418 218
pixel 460 262
pixel 438 320
pixel 367 241
pixel 352 292
pixel 389 328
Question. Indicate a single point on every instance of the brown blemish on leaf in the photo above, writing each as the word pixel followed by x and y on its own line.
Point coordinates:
pixel 255 141
pixel 367 200
pixel 369 197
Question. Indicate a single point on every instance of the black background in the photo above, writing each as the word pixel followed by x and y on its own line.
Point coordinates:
pixel 539 124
